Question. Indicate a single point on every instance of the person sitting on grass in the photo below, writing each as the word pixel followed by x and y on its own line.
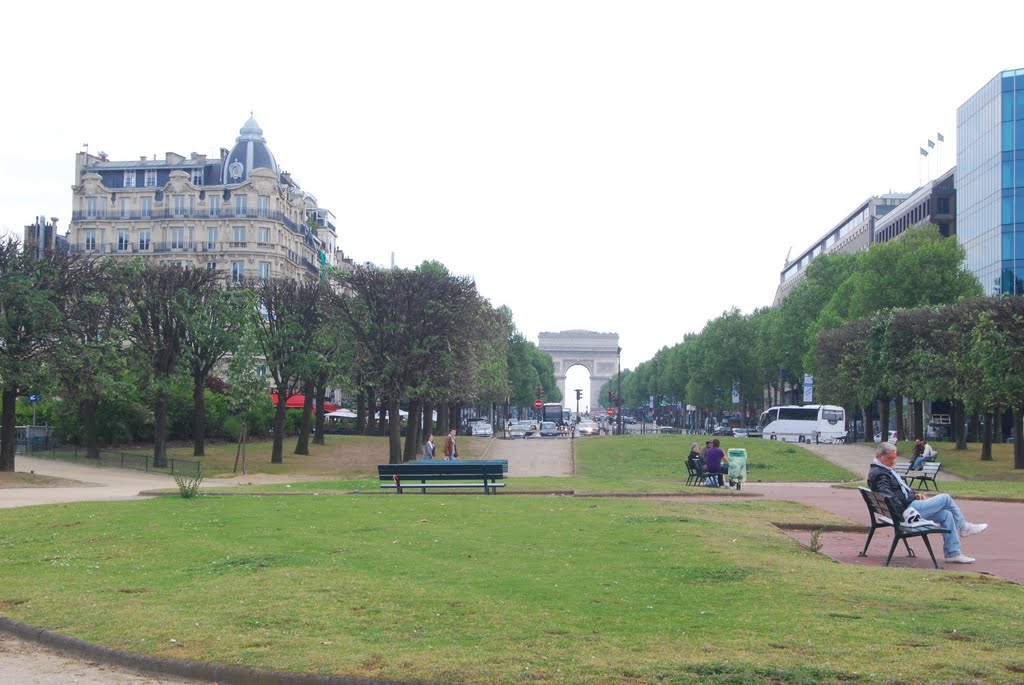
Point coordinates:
pixel 940 508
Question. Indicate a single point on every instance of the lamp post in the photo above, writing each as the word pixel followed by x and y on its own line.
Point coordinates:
pixel 618 390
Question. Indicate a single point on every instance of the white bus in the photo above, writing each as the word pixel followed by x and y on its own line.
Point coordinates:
pixel 809 423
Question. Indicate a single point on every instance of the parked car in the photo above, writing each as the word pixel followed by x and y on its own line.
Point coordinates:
pixel 722 430
pixel 891 438
pixel 587 428
pixel 549 429
pixel 481 428
pixel 740 432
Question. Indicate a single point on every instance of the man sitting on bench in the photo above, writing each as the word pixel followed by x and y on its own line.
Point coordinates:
pixel 941 508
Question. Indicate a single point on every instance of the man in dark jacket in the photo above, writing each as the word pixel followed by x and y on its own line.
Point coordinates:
pixel 940 508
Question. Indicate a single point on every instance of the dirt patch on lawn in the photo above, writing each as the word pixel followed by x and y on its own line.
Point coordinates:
pixel 9 479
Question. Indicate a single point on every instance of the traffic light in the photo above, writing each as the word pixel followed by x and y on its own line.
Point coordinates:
pixel 579 393
pixel 540 391
pixel 611 395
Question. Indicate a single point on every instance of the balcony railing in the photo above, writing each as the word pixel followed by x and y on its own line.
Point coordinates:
pixel 193 214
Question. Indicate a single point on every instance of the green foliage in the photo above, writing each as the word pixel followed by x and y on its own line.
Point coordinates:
pixel 188 486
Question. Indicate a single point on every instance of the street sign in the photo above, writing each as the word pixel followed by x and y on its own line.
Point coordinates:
pixel 611 411
pixel 537 404
pixel 34 398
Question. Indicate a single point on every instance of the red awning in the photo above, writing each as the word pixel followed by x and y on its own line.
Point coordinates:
pixel 298 401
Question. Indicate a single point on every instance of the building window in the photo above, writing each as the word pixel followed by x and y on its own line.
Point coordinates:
pixel 122 241
pixel 241 204
pixel 264 233
pixel 263 206
pixel 149 178
pixel 129 179
pixel 178 238
pixel 238 234
pixel 211 266
pixel 90 207
pixel 214 205
pixel 237 271
pixel 90 240
pixel 144 241
pixel 126 208
pixel 264 271
pixel 146 207
pixel 211 239
pixel 197 177
pixel 262 371
pixel 179 205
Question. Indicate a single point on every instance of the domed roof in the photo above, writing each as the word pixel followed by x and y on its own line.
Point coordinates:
pixel 250 152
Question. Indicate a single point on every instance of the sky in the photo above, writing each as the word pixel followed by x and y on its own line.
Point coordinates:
pixel 629 167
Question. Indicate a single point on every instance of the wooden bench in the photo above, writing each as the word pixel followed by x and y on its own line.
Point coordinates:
pixel 903 469
pixel 929 470
pixel 886 512
pixel 443 474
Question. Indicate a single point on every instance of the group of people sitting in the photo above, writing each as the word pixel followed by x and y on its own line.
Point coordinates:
pixel 711 460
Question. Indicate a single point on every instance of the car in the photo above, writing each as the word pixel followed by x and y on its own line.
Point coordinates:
pixel 891 438
pixel 481 428
pixel 587 428
pixel 670 430
pixel 722 430
pixel 740 432
pixel 549 429
pixel 522 429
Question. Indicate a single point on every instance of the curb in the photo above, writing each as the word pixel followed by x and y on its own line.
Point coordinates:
pixel 196 670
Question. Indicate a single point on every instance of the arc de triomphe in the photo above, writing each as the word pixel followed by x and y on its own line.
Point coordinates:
pixel 597 352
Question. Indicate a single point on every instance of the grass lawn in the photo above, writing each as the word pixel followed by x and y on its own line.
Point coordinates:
pixel 462 589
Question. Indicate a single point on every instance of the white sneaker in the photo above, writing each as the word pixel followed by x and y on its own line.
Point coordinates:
pixel 972 529
pixel 959 559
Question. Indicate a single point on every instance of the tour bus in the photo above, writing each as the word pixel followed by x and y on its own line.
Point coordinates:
pixel 810 423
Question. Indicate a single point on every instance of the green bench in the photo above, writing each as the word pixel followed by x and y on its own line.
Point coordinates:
pixel 422 475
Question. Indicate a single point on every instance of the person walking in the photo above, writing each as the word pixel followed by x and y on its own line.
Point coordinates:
pixel 428 448
pixel 451 450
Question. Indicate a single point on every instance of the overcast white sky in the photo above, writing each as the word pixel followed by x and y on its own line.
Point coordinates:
pixel 633 167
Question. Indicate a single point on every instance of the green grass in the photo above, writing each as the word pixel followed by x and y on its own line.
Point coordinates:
pixel 465 589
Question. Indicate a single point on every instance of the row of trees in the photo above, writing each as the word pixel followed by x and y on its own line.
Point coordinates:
pixel 765 354
pixel 94 332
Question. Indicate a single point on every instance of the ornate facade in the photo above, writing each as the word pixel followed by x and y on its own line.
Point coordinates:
pixel 238 214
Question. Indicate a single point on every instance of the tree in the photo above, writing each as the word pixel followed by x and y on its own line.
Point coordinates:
pixel 32 325
pixel 166 299
pixel 211 331
pixel 285 320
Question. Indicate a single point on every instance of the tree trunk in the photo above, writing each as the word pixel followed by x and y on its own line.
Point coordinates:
pixel 8 418
pixel 918 419
pixel 959 429
pixel 360 412
pixel 277 451
pixel 412 431
pixel 1018 446
pixel 320 392
pixel 883 420
pixel 87 413
pixel 900 429
pixel 975 427
pixel 160 430
pixel 986 444
pixel 442 418
pixel 428 418
pixel 302 444
pixel 198 417
pixel 394 432
pixel 384 416
pixel 869 421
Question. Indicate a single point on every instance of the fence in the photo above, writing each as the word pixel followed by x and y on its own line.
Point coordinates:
pixel 43 448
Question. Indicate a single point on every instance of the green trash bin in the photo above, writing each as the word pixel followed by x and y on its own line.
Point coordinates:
pixel 737 466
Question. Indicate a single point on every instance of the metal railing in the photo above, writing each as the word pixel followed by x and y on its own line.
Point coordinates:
pixel 39 449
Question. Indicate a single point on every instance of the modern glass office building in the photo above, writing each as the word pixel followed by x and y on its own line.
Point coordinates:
pixel 990 183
